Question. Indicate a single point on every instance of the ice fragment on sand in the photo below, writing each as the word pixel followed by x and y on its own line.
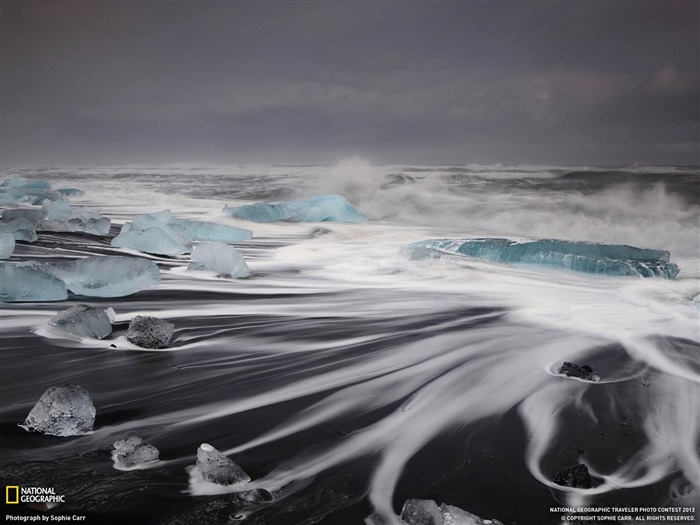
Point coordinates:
pixel 150 332
pixel 208 231
pixel 252 497
pixel 7 244
pixel 576 476
pixel 32 214
pixel 62 411
pixel 23 282
pixel 109 276
pixel 62 217
pixel 85 321
pixel 607 259
pixel 582 372
pixel 217 468
pixel 331 208
pixel 134 451
pixel 162 234
pixel 220 258
pixel 427 512
pixel 156 240
pixel 21 228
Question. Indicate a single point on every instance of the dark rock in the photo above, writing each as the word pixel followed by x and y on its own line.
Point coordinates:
pixel 217 468
pixel 62 411
pixel 576 477
pixel 150 332
pixel 253 497
pixel 135 451
pixel 584 372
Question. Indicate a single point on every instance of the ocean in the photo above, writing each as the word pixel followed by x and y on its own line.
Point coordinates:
pixel 346 378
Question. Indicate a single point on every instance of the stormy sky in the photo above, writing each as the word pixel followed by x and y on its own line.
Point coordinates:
pixel 407 82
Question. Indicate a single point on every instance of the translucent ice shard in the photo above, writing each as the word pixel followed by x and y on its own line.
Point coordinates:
pixel 576 476
pixel 219 258
pixel 23 282
pixel 154 239
pixel 112 276
pixel 85 321
pixel 62 217
pixel 150 332
pixel 134 451
pixel 162 234
pixel 62 411
pixel 21 228
pixel 427 512
pixel 7 244
pixel 208 231
pixel 606 259
pixel 34 215
pixel 217 468
pixel 326 208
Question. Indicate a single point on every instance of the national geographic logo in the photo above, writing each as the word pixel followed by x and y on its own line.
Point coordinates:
pixel 15 494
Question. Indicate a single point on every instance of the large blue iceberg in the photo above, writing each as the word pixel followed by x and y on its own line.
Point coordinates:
pixel 162 234
pixel 606 259
pixel 326 208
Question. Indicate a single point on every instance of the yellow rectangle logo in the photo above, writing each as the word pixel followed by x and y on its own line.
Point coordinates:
pixel 9 490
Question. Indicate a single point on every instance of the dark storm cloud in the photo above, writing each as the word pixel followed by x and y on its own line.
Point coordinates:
pixel 544 82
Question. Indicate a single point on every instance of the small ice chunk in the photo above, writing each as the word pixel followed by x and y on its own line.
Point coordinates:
pixel 85 321
pixel 220 258
pixel 134 451
pixel 62 217
pixel 217 468
pixel 7 199
pixel 62 411
pixel 421 512
pixel 150 332
pixel 7 244
pixel 70 192
pixel 21 228
pixel 325 208
pixel 427 512
pixel 23 282
pixel 34 215
pixel 106 276
pixel 584 372
pixel 253 497
pixel 576 476
pixel 208 231
pixel 154 239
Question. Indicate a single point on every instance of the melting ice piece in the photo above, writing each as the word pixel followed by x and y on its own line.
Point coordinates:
pixel 162 234
pixel 62 411
pixel 109 276
pixel 576 476
pixel 154 239
pixel 23 282
pixel 85 321
pixel 607 259
pixel 584 372
pixel 32 214
pixel 134 451
pixel 7 244
pixel 62 217
pixel 21 228
pixel 208 231
pixel 150 332
pixel 217 468
pixel 220 258
pixel 427 512
pixel 326 208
